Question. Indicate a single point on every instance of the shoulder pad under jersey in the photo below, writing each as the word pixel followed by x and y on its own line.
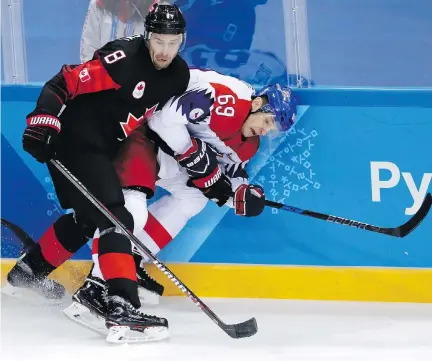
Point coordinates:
pixel 195 104
pixel 116 56
pixel 242 89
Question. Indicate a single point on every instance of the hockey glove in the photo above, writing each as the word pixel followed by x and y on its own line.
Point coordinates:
pixel 200 162
pixel 249 200
pixel 220 191
pixel 40 135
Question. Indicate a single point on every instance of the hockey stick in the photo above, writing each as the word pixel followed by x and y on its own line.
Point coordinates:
pixel 400 231
pixel 25 239
pixel 239 330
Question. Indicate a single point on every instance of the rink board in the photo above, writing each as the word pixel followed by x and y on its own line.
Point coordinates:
pixel 324 164
pixel 283 282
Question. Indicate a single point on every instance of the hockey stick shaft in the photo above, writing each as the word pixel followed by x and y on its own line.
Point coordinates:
pixel 400 231
pixel 231 330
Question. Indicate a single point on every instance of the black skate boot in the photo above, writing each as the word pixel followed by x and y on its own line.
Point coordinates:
pixel 149 289
pixel 21 277
pixel 89 305
pixel 126 324
pixel 91 295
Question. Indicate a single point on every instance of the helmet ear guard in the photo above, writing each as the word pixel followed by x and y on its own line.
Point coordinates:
pixel 281 104
pixel 164 18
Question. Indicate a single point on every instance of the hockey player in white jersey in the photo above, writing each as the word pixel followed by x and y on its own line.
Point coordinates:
pixel 196 148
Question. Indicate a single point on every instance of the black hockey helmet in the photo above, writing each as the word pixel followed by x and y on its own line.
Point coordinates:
pixel 164 18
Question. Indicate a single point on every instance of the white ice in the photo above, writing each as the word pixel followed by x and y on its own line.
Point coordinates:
pixel 287 330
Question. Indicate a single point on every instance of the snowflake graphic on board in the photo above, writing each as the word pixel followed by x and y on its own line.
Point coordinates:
pixel 289 168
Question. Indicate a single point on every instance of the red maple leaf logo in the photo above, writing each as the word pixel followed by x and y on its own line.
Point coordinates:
pixel 133 122
pixel 140 87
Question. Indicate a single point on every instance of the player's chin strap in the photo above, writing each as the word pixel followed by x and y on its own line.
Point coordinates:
pixel 239 330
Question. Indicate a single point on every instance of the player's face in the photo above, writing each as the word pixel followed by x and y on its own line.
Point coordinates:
pixel 163 49
pixel 258 124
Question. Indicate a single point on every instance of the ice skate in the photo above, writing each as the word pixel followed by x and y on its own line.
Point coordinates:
pixel 149 289
pixel 126 324
pixel 21 279
pixel 88 306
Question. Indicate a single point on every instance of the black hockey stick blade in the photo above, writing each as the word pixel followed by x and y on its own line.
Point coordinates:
pixel 25 239
pixel 417 218
pixel 241 330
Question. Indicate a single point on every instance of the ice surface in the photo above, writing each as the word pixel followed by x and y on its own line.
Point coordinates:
pixel 287 330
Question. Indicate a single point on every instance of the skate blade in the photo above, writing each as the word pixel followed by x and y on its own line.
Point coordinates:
pixel 82 316
pixel 147 297
pixel 28 293
pixel 123 334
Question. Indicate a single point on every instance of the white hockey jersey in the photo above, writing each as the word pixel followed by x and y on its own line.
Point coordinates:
pixel 213 109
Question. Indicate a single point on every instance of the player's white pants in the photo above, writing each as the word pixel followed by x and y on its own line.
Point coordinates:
pixel 136 204
pixel 156 225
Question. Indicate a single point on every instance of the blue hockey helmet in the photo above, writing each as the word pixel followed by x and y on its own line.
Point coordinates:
pixel 281 103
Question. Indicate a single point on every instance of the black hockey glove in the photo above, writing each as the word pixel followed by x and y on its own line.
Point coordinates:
pixel 249 200
pixel 218 192
pixel 40 135
pixel 200 162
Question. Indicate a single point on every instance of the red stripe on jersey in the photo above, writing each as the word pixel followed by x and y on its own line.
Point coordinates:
pixel 52 250
pixel 227 124
pixel 90 77
pixel 95 246
pixel 224 121
pixel 157 231
pixel 117 265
